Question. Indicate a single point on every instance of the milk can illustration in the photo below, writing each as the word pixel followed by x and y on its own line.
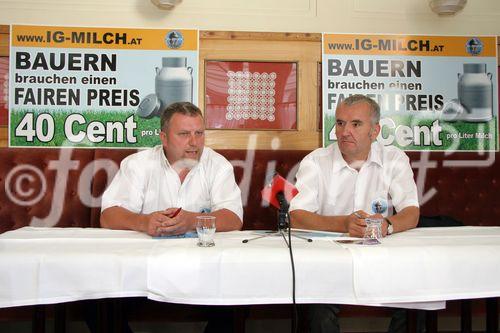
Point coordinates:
pixel 475 93
pixel 173 83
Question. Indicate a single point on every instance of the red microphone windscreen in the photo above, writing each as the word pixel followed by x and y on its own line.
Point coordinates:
pixel 278 184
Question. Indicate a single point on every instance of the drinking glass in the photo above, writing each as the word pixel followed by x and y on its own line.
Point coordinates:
pixel 205 228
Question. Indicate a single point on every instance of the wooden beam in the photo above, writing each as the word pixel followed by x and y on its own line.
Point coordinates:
pixel 262 36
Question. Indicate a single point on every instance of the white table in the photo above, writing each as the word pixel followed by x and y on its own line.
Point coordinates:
pixel 421 268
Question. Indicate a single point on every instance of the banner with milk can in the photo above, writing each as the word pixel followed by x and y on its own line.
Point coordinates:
pixel 437 93
pixel 97 87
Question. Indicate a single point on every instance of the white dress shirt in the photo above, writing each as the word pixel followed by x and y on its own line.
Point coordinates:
pixel 146 182
pixel 329 186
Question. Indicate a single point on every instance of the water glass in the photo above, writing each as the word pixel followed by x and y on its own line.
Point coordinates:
pixel 373 231
pixel 205 228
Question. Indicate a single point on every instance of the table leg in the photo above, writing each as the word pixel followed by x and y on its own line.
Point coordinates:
pixel 466 316
pixel 60 318
pixel 492 315
pixel 411 323
pixel 103 320
pixel 38 319
pixel 431 321
pixel 240 314
pixel 117 318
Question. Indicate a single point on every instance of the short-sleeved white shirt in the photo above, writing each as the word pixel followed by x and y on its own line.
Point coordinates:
pixel 329 186
pixel 146 182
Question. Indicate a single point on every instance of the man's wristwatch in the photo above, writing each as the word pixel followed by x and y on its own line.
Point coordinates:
pixel 390 228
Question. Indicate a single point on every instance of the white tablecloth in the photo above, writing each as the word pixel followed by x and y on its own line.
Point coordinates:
pixel 254 273
pixel 429 264
pixel 411 269
pixel 52 265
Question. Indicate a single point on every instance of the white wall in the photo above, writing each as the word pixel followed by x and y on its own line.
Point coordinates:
pixel 368 16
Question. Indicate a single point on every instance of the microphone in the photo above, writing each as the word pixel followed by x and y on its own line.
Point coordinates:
pixel 279 192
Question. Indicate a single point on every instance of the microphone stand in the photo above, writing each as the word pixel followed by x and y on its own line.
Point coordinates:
pixel 283 230
pixel 283 223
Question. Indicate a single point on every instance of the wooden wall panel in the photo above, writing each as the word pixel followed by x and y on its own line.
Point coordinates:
pixel 4 40
pixel 4 52
pixel 305 49
pixel 3 137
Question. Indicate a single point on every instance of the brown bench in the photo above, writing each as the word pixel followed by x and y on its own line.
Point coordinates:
pixel 468 192
pixel 61 187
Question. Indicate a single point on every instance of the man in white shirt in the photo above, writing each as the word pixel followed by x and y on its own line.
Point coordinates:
pixel 160 191
pixel 152 185
pixel 357 177
pixel 354 178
